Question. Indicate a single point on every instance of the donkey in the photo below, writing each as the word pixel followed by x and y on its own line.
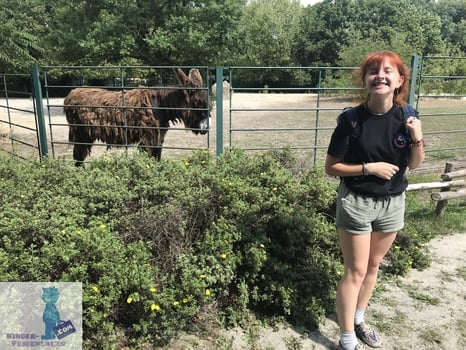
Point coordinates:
pixel 139 116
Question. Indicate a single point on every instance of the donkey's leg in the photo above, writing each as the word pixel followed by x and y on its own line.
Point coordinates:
pixel 80 152
pixel 82 145
pixel 158 153
pixel 161 139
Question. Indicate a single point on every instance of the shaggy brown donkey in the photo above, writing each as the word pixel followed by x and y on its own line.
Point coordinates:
pixel 138 116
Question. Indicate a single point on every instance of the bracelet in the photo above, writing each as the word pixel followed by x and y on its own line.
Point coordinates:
pixel 365 169
pixel 419 143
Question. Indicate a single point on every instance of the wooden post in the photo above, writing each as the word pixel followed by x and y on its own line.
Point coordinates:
pixel 447 185
pixel 451 175
pixel 442 196
pixel 442 204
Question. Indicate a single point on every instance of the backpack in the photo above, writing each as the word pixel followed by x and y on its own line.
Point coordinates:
pixel 353 118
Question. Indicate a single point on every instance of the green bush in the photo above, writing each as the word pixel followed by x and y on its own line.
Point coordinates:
pixel 162 245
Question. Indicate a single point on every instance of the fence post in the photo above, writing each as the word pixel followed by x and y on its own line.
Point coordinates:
pixel 219 108
pixel 442 204
pixel 40 119
pixel 413 85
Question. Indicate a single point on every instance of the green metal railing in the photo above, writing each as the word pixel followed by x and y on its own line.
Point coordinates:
pixel 255 126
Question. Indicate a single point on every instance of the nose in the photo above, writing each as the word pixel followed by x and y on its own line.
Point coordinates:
pixel 381 73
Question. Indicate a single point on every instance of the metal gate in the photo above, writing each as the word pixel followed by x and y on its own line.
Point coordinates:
pixel 246 116
pixel 22 129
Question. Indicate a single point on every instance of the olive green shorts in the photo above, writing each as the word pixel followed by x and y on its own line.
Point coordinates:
pixel 360 214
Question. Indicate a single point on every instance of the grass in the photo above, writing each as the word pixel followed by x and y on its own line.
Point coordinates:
pixel 423 298
pixel 461 330
pixel 432 336
pixel 462 272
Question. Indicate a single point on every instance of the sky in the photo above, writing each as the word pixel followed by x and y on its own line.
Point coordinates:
pixel 309 2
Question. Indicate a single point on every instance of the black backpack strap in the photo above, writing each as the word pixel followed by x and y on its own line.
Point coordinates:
pixel 408 111
pixel 352 116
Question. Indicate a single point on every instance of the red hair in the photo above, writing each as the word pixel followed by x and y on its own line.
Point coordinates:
pixel 376 59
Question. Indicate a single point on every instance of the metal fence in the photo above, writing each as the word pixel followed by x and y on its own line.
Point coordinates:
pixel 440 97
pixel 250 116
pixel 22 130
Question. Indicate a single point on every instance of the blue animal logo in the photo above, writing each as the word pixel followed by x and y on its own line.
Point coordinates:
pixel 51 316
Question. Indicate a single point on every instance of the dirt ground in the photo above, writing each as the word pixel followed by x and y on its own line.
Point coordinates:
pixel 421 311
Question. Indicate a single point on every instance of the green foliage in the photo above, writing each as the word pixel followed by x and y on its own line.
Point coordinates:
pixel 161 245
pixel 20 32
pixel 157 243
pixel 226 33
pixel 343 32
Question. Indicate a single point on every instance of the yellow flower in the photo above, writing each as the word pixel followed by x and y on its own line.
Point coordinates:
pixel 185 300
pixel 102 226
pixel 155 307
pixel 129 300
pixel 95 289
pixel 152 289
pixel 202 276
pixel 223 256
pixel 207 292
pixel 176 303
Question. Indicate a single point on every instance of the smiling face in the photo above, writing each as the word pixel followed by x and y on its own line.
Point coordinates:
pixel 384 75
pixel 383 79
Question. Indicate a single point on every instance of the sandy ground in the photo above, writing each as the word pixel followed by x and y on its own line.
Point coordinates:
pixel 421 311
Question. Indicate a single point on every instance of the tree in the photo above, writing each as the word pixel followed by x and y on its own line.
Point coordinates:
pixel 194 33
pixel 453 19
pixel 269 29
pixel 342 32
pixel 22 25
pixel 98 32
pixel 268 32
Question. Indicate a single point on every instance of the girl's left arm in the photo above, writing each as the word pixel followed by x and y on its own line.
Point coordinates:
pixel 416 153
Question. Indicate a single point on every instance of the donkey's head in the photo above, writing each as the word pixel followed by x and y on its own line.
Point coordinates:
pixel 197 115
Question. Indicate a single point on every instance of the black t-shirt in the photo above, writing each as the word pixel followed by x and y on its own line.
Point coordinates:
pixel 380 138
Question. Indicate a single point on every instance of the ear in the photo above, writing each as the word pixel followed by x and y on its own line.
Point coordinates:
pixel 182 78
pixel 196 77
pixel 402 80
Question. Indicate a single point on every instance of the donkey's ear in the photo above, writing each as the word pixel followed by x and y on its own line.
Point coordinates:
pixel 196 77
pixel 182 77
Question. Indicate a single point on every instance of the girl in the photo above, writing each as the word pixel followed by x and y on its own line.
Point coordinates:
pixel 371 195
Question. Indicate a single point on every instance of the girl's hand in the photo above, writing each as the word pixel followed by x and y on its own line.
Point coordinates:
pixel 382 169
pixel 413 125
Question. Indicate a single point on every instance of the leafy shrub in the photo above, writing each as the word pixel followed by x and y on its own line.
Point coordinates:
pixel 160 245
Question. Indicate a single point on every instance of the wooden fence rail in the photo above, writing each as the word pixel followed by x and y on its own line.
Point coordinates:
pixel 449 188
